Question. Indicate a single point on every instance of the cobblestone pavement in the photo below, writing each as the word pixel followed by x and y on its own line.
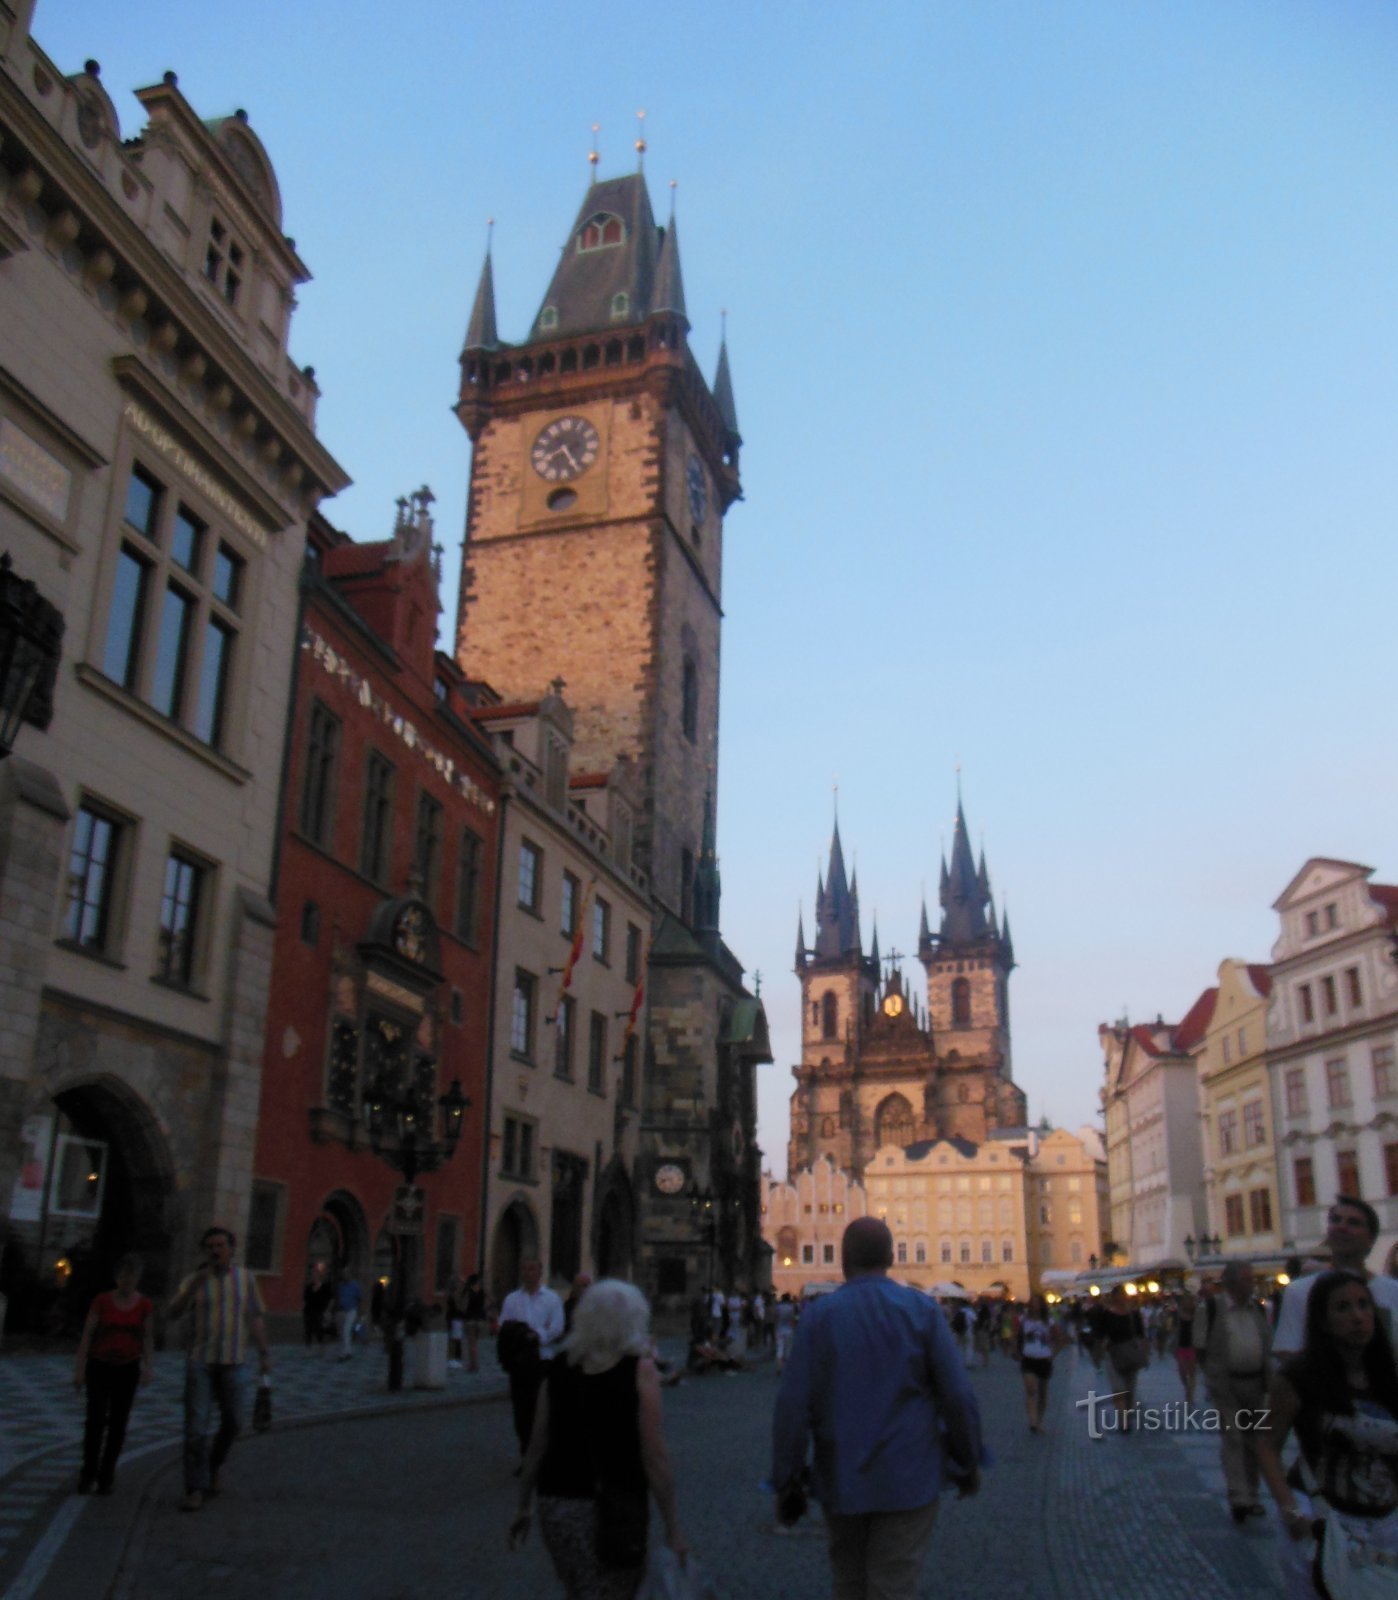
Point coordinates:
pixel 41 1423
pixel 415 1505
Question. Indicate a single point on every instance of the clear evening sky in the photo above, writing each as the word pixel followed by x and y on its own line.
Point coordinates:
pixel 1065 345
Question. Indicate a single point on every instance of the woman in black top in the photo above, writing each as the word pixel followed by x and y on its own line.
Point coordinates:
pixel 1123 1331
pixel 597 1447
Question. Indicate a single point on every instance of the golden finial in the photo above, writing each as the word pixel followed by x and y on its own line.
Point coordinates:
pixel 673 186
pixel 593 157
pixel 640 140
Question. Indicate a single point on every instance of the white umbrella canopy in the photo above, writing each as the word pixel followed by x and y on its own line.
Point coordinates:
pixel 948 1291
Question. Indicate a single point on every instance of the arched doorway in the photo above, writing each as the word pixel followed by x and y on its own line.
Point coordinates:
pixel 339 1238
pixel 110 1188
pixel 615 1246
pixel 516 1240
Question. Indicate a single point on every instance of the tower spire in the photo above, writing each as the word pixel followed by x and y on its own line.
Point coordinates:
pixel 480 330
pixel 669 284
pixel 707 888
pixel 800 939
pixel 723 388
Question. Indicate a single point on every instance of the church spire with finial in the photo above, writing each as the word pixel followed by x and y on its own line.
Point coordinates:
pixel 669 284
pixel 723 389
pixel 481 331
pixel 800 940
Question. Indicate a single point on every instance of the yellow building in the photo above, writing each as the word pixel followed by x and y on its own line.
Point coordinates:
pixel 803 1220
pixel 1066 1202
pixel 956 1211
pixel 1240 1160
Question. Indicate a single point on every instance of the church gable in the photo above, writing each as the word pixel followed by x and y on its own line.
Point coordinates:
pixel 1320 875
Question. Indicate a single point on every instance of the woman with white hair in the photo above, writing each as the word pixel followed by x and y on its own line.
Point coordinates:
pixel 597 1447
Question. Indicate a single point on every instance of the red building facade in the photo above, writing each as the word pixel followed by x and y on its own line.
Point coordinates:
pixel 385 898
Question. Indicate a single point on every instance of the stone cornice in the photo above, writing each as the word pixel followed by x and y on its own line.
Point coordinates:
pixel 147 287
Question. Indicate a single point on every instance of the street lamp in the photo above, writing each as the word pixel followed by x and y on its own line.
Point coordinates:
pixel 1190 1245
pixel 31 640
pixel 703 1208
pixel 401 1133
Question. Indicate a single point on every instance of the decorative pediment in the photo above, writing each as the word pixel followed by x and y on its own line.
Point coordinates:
pixel 1320 875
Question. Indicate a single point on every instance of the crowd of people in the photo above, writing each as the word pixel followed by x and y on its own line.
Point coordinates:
pixel 876 1410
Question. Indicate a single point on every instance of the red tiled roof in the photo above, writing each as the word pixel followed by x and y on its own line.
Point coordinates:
pixel 1387 896
pixel 350 560
pixel 1261 978
pixel 1144 1035
pixel 1196 1021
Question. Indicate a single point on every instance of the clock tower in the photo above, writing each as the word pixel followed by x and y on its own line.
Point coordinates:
pixel 603 465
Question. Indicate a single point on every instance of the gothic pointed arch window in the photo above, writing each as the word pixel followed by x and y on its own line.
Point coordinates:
pixel 893 1122
pixel 689 700
pixel 829 1016
pixel 601 230
pixel 961 1003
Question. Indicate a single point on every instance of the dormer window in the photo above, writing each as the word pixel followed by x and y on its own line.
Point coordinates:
pixel 548 319
pixel 223 261
pixel 621 306
pixel 600 231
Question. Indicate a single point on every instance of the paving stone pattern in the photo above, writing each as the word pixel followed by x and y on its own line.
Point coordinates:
pixel 416 1504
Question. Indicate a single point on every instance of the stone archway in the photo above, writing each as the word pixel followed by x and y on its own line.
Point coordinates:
pixel 516 1240
pixel 339 1237
pixel 111 1189
pixel 615 1247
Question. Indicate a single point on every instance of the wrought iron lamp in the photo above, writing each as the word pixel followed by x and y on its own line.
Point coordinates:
pixel 31 640
pixel 401 1135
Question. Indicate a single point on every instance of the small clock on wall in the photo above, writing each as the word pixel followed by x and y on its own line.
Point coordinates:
pixel 698 487
pixel 669 1179
pixel 564 449
pixel 893 1005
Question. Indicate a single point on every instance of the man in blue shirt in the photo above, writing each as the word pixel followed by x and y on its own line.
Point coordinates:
pixel 876 1379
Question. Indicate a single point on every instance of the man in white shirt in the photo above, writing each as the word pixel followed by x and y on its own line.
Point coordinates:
pixel 538 1313
pixel 1351 1228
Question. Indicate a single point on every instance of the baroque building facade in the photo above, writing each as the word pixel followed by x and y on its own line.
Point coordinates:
pixel 1332 1033
pixel 878 1068
pixel 602 467
pixel 158 464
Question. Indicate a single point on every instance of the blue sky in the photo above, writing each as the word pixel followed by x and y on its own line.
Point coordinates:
pixel 1065 346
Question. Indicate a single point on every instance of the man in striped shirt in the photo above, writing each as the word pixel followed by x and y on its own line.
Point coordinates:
pixel 225 1310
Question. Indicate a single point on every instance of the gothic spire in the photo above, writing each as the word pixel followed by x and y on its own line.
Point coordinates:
pixel 723 393
pixel 924 931
pixel 480 331
pixel 874 947
pixel 837 912
pixel 800 941
pixel 669 285
pixel 964 897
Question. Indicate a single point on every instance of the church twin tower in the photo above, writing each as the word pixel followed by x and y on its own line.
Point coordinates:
pixel 875 1070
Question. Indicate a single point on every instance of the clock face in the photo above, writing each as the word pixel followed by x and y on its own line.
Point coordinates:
pixel 669 1179
pixel 698 488
pixel 893 1005
pixel 564 450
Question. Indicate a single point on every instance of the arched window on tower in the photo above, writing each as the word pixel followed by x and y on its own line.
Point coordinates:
pixel 893 1122
pixel 829 1017
pixel 689 708
pixel 599 231
pixel 961 1003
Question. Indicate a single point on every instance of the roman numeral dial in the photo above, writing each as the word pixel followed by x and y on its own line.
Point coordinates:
pixel 564 449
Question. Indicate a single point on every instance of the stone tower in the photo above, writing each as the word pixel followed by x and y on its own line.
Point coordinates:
pixel 968 966
pixel 603 465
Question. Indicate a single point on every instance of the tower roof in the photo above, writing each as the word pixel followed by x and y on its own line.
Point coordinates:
pixel 723 393
pixel 965 892
pixel 669 282
pixel 480 331
pixel 837 914
pixel 612 250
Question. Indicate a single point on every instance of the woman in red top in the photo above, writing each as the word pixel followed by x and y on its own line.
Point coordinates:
pixel 117 1351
